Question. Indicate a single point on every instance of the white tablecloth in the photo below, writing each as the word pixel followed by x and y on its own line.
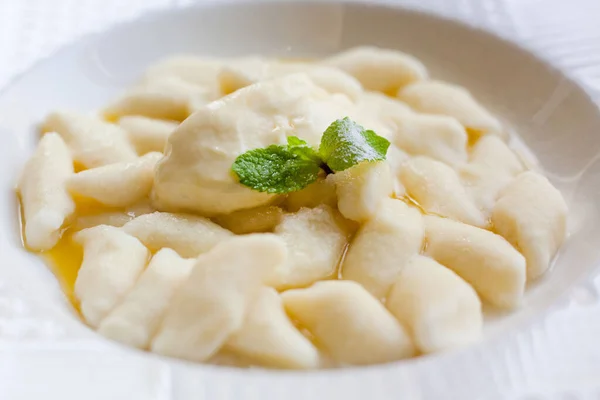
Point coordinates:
pixel 566 32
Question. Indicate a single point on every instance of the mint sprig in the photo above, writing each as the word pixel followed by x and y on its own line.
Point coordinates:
pixel 292 167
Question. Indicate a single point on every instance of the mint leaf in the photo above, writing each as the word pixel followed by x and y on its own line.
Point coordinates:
pixel 303 149
pixel 277 168
pixel 293 141
pixel 345 144
pixel 292 167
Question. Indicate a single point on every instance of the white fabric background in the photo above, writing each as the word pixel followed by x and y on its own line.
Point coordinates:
pixel 566 32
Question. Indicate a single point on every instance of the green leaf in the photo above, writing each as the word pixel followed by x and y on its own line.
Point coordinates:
pixel 303 149
pixel 278 169
pixel 345 144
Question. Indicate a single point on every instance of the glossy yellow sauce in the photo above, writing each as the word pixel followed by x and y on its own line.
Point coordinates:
pixel 64 259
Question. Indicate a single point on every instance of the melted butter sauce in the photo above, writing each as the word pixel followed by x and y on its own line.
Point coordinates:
pixel 64 261
pixel 65 258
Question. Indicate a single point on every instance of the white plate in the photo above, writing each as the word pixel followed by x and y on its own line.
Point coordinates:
pixel 46 353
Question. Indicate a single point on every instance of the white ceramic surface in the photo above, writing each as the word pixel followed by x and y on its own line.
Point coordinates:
pixel 553 116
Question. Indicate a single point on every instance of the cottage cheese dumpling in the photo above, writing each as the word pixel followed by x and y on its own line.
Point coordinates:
pixel 269 337
pixel 437 136
pixel 361 189
pixel 196 171
pixel 436 97
pixel 316 240
pixel 491 167
pixel 242 73
pixel 44 197
pixel 532 215
pixel 137 318
pixel 352 326
pixel 383 245
pixel 440 310
pixel 118 185
pixel 112 262
pixel 147 134
pixel 438 189
pixel 212 304
pixel 168 97
pixel 92 141
pixel 201 71
pixel 486 260
pixel 189 235
pixel 379 69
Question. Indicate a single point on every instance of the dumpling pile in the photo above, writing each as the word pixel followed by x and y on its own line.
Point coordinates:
pixel 380 262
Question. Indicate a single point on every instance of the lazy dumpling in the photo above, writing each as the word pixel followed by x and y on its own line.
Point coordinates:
pixel 112 262
pixel 147 134
pixel 213 302
pixel 189 235
pixel 383 245
pixel 245 72
pixel 251 220
pixel 437 188
pixel 491 167
pixel 436 97
pixel 486 260
pixel 44 197
pixel 351 325
pixel 196 171
pixel 169 97
pixel 119 184
pixel 320 192
pixel 201 71
pixel 137 318
pixel 532 215
pixel 441 310
pixel 316 240
pixel 437 136
pixel 361 189
pixel 379 69
pixel 92 141
pixel 269 337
